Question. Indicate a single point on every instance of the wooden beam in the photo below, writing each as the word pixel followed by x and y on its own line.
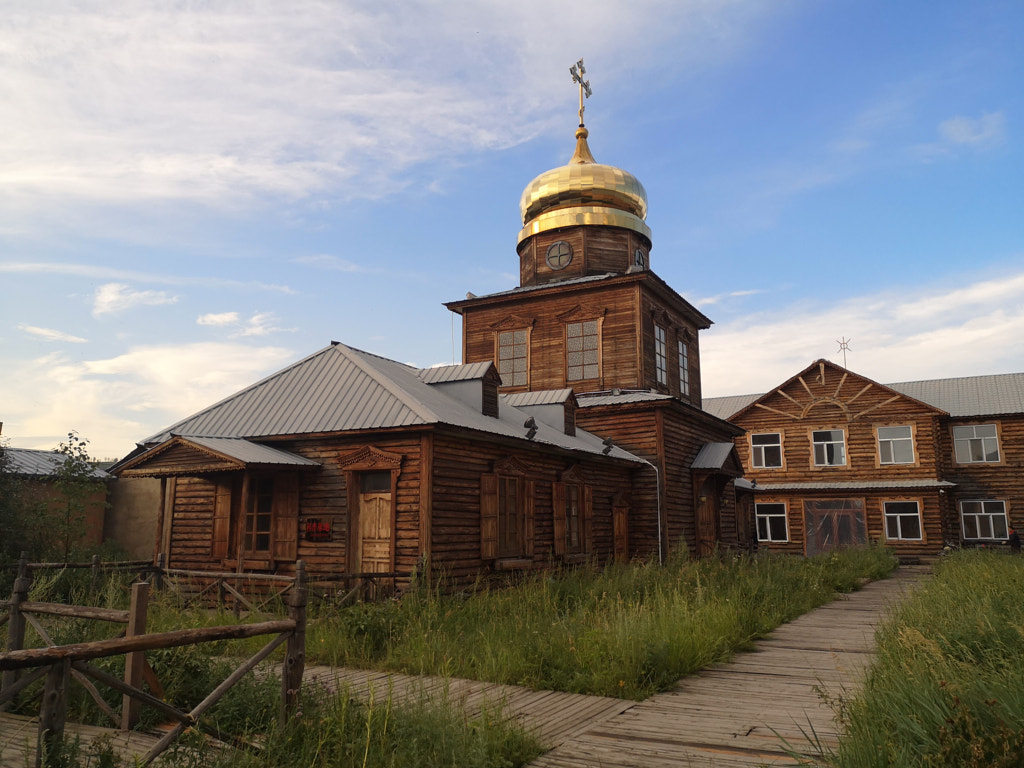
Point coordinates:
pixel 776 410
pixel 892 399
pixel 865 389
pixel 791 399
pixel 801 380
pixel 841 382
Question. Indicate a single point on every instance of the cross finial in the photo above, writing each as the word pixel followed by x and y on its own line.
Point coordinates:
pixel 844 344
pixel 577 71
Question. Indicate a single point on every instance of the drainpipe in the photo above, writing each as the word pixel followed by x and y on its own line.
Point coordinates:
pixel 657 481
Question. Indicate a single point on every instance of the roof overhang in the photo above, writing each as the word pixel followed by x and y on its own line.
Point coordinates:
pixel 204 455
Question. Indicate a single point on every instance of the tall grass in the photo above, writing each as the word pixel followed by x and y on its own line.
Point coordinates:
pixel 947 687
pixel 625 631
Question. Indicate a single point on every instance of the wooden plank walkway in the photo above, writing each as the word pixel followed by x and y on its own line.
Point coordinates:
pixel 738 714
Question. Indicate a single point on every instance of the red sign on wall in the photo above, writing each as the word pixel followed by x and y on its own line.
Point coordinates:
pixel 317 529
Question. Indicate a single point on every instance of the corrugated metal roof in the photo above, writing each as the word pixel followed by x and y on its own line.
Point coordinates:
pixel 606 398
pixel 542 397
pixel 252 453
pixel 725 407
pixel 961 397
pixel 440 374
pixel 865 485
pixel 33 463
pixel 340 388
pixel 970 395
pixel 712 456
pixel 555 283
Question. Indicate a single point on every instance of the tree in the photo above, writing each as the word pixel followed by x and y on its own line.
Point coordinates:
pixel 76 483
pixel 12 521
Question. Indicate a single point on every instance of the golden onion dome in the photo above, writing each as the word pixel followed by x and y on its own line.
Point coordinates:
pixel 583 192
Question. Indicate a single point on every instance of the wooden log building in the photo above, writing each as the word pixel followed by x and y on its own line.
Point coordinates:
pixel 840 459
pixel 573 429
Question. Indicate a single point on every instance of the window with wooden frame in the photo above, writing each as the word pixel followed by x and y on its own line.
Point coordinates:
pixel 771 522
pixel 766 450
pixel 256 519
pixel 983 519
pixel 902 520
pixel 829 447
pixel 582 350
pixel 506 513
pixel 895 445
pixel 572 508
pixel 660 355
pixel 976 444
pixel 513 357
pixel 684 368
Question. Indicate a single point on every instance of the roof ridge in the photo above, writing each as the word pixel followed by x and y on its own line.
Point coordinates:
pixel 406 398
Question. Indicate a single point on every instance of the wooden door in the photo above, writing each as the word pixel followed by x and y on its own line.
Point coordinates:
pixel 707 517
pixel 833 524
pixel 372 543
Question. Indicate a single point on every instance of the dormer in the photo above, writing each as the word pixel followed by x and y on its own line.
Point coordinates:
pixel 475 385
pixel 554 407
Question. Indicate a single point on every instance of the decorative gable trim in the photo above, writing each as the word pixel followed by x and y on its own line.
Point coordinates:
pixel 579 312
pixel 573 474
pixel 179 456
pixel 510 465
pixel 510 322
pixel 370 458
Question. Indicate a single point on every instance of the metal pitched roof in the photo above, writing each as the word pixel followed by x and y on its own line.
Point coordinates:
pixel 541 397
pixel 608 398
pixel 252 453
pixel 960 397
pixel 970 395
pixel 712 456
pixel 440 374
pixel 340 388
pixel 33 463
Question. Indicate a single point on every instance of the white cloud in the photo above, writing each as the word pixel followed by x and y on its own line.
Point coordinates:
pixel 117 401
pixel 223 103
pixel 117 297
pixel 98 272
pixel 327 261
pixel 260 324
pixel 894 336
pixel 218 319
pixel 48 334
pixel 984 132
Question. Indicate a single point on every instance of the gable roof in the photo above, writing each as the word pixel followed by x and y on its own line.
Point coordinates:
pixel 339 389
pixel 961 397
pixel 28 462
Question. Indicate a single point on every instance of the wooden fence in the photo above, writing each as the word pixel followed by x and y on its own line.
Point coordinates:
pixel 59 664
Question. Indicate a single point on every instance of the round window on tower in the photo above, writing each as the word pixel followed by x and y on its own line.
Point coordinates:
pixel 559 255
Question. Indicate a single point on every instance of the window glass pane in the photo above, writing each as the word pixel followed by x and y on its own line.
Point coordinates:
pixel 772 456
pixel 885 452
pixel 778 528
pixel 892 527
pixel 910 526
pixel 971 527
pixel 985 430
pixel 903 452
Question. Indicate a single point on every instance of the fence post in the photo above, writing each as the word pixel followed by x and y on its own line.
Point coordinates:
pixel 135 660
pixel 96 573
pixel 16 622
pixel 53 713
pixel 295 655
pixel 158 574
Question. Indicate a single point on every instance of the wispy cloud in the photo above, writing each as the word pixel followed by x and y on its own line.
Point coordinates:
pixel 99 272
pixel 117 297
pixel 48 334
pixel 896 335
pixel 218 319
pixel 260 324
pixel 965 133
pixel 725 296
pixel 327 261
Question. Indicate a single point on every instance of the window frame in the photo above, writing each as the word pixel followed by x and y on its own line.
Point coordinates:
pixel 661 354
pixel 815 444
pixel 755 447
pixel 582 322
pixel 891 442
pixel 983 513
pixel 898 516
pixel 969 440
pixel 499 360
pixel 683 350
pixel 767 518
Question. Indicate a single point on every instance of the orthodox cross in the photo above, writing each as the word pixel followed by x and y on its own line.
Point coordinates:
pixel 577 71
pixel 844 344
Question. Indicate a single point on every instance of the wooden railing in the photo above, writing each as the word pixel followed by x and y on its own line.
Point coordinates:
pixel 61 663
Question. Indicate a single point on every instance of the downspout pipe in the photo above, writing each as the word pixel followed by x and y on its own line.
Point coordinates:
pixel 657 481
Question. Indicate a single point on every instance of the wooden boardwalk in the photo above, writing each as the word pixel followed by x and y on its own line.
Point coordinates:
pixel 743 712
pixel 734 714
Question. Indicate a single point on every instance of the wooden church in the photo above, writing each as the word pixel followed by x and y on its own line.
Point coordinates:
pixel 573 430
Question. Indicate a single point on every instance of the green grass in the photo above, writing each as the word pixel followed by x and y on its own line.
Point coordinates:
pixel 625 631
pixel 947 687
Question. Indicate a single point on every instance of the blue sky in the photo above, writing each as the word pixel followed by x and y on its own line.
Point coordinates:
pixel 193 195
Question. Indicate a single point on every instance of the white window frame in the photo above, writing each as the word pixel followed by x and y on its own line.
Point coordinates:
pixel 767 517
pixel 985 515
pixel 824 445
pixel 684 367
pixel 964 444
pixel 757 455
pixel 891 441
pixel 660 355
pixel 897 517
